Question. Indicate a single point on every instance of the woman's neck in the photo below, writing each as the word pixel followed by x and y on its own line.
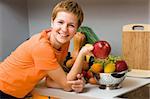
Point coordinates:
pixel 54 43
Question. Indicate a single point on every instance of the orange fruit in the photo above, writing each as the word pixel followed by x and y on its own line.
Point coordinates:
pixel 38 96
pixel 92 80
pixel 96 68
pixel 109 68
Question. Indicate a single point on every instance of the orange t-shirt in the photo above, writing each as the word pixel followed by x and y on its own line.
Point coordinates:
pixel 27 65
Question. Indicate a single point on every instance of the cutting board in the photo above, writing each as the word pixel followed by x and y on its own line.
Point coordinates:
pixel 136 46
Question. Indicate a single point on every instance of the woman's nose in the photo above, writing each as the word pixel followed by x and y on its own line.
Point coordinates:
pixel 64 27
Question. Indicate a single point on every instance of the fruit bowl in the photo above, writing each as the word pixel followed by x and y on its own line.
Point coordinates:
pixel 111 80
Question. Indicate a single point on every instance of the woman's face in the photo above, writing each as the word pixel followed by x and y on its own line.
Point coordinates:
pixel 64 27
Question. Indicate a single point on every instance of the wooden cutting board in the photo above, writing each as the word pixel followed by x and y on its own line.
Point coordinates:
pixel 136 45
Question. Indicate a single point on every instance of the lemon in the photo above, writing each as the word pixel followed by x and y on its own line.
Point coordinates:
pixel 109 68
pixel 87 58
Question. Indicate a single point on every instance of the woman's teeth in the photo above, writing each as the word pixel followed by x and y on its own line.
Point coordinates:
pixel 63 35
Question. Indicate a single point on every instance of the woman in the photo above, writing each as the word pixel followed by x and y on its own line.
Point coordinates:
pixel 43 55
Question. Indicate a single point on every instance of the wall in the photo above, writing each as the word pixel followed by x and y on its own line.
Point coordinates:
pixel 149 11
pixel 39 13
pixel 0 31
pixel 108 17
pixel 21 18
pixel 13 25
pixel 105 17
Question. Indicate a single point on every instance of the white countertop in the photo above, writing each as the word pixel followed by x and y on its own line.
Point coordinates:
pixel 93 91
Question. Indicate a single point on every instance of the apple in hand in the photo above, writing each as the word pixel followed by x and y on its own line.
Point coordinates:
pixel 101 49
pixel 121 65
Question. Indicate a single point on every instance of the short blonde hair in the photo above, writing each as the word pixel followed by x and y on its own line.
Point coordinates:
pixel 69 6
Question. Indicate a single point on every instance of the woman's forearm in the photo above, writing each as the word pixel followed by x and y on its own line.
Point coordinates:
pixel 52 84
pixel 76 68
pixel 58 79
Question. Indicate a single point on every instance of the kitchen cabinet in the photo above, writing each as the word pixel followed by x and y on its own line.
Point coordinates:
pixel 139 93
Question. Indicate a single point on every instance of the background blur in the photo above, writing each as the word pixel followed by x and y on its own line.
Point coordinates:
pixel 20 19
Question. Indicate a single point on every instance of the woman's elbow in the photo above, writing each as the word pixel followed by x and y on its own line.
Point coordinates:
pixel 48 82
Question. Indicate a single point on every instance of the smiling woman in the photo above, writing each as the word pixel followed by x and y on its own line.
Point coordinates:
pixel 43 55
pixel 64 28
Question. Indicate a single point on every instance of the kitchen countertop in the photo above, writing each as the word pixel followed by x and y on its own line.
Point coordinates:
pixel 93 91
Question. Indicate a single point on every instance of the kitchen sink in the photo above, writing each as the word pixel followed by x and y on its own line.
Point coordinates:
pixel 140 93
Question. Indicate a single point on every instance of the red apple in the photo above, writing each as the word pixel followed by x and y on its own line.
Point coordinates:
pixel 84 73
pixel 121 65
pixel 101 49
pixel 89 74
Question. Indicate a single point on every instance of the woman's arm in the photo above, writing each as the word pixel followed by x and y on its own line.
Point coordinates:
pixel 77 67
pixel 70 81
pixel 51 83
pixel 59 81
pixel 60 78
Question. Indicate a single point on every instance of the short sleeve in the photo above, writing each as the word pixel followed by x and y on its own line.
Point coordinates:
pixel 44 57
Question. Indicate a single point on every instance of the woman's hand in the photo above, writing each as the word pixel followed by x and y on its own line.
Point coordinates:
pixel 87 49
pixel 78 85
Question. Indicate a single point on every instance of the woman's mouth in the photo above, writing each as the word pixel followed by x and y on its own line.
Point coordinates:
pixel 63 34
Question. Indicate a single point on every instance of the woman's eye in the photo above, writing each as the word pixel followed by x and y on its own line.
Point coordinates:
pixel 72 25
pixel 60 22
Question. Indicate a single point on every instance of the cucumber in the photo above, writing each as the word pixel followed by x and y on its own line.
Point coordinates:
pixel 91 37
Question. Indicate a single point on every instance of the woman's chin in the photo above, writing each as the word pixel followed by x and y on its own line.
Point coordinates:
pixel 62 41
